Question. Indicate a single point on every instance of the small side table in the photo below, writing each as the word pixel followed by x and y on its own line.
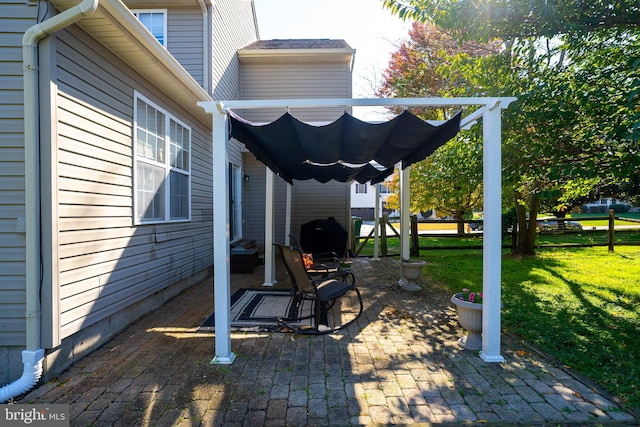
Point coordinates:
pixel 244 261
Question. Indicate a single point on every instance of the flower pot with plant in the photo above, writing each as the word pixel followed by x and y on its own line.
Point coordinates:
pixel 469 305
pixel 410 272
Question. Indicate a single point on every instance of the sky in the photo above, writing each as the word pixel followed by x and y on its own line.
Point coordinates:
pixel 368 28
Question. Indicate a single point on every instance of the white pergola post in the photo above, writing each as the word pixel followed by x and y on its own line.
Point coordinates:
pixel 492 234
pixel 269 256
pixel 405 196
pixel 221 259
pixel 376 223
pixel 405 253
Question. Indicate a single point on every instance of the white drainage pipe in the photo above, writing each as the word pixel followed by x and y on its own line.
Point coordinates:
pixel 32 361
pixel 32 356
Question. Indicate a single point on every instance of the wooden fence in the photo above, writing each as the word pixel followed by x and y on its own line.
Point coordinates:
pixel 468 228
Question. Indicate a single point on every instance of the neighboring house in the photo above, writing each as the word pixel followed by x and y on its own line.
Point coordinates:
pixel 363 199
pixel 603 205
pixel 106 206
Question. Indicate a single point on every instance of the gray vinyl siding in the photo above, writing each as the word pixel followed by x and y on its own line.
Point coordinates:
pixel 233 28
pixel 105 262
pixel 15 19
pixel 255 202
pixel 295 80
pixel 310 199
pixel 185 40
pixel 313 200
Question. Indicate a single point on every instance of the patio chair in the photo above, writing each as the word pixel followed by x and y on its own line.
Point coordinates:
pixel 327 258
pixel 325 264
pixel 326 241
pixel 323 291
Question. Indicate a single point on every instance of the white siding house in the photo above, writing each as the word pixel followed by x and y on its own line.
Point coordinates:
pixel 363 199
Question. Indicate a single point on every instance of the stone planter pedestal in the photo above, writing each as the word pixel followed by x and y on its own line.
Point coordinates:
pixel 410 272
pixel 470 318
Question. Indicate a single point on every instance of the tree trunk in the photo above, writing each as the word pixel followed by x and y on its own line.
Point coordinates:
pixel 459 216
pixel 526 226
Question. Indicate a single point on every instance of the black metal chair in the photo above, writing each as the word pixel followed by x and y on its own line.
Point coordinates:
pixel 323 291
pixel 326 264
pixel 329 258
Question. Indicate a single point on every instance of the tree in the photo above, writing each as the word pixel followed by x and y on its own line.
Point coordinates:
pixel 416 68
pixel 483 20
pixel 573 129
pixel 573 67
pixel 450 179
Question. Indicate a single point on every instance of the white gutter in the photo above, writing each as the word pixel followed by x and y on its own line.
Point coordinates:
pixel 33 355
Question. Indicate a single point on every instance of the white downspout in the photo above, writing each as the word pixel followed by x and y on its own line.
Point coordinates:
pixel 206 43
pixel 33 355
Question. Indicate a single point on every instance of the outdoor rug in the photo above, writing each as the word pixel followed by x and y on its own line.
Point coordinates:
pixel 259 309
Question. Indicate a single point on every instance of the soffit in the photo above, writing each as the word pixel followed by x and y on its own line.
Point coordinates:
pixel 115 27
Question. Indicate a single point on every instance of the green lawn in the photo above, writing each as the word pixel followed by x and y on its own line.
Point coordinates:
pixel 579 305
pixel 586 222
pixel 586 237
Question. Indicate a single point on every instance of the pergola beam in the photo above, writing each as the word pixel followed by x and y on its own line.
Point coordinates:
pixel 354 102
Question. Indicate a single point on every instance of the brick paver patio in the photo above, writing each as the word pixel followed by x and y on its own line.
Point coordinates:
pixel 398 364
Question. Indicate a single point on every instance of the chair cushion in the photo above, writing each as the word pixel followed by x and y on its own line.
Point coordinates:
pixel 330 289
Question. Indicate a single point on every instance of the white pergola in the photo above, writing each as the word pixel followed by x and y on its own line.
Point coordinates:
pixel 489 109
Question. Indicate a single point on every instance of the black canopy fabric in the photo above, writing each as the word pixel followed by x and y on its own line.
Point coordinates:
pixel 344 150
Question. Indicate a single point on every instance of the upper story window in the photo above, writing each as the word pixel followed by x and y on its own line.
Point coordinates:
pixel 361 188
pixel 155 20
pixel 162 165
pixel 384 189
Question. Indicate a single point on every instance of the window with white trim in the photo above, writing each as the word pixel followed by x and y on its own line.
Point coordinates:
pixel 162 175
pixel 361 188
pixel 155 20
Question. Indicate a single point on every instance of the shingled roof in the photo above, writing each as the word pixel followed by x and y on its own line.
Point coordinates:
pixel 297 44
